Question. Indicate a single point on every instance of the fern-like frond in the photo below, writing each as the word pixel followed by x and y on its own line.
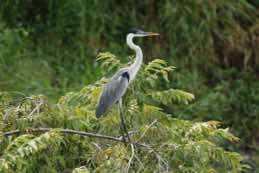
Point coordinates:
pixel 223 134
pixel 108 61
pixel 18 157
pixel 86 96
pixel 155 68
pixel 205 151
pixel 171 96
pixel 18 142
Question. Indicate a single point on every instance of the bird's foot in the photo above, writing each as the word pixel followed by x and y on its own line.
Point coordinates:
pixel 125 138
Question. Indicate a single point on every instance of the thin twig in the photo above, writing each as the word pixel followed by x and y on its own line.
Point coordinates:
pixel 149 126
pixel 138 159
pixel 34 110
pixel 97 151
pixel 158 156
pixel 97 146
pixel 130 133
pixel 131 158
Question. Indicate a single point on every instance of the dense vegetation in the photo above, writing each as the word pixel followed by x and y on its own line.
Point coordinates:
pixel 163 143
pixel 49 48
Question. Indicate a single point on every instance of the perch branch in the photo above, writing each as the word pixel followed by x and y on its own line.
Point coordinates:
pixel 94 135
pixel 65 131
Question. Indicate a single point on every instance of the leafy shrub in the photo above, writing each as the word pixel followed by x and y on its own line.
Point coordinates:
pixel 163 143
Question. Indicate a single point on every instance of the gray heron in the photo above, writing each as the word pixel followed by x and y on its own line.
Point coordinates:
pixel 116 87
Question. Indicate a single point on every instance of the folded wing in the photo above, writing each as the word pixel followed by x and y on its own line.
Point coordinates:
pixel 112 92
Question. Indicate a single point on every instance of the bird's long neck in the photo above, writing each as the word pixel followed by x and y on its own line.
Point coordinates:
pixel 134 68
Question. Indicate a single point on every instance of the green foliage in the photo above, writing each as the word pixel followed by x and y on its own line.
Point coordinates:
pixel 109 60
pixel 49 48
pixel 235 102
pixel 25 152
pixel 155 67
pixel 183 145
pixel 206 31
pixel 168 96
pixel 61 37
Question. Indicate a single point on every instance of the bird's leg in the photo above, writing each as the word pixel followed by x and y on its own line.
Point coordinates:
pixel 123 125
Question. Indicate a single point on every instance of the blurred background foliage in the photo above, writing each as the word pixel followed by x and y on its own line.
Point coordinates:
pixel 49 47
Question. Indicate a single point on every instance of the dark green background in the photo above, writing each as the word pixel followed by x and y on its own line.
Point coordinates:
pixel 49 47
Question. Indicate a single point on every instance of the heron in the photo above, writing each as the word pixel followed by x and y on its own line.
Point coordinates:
pixel 117 86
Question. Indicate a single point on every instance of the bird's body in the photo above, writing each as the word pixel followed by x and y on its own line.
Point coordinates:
pixel 118 84
pixel 113 91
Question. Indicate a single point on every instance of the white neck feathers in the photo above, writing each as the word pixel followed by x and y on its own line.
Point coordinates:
pixel 134 68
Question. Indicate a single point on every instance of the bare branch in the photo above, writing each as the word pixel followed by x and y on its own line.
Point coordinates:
pixel 149 126
pixel 65 131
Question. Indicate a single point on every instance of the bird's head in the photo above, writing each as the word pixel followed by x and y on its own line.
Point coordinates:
pixel 140 33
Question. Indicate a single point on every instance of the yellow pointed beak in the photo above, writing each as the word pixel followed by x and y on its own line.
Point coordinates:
pixel 152 34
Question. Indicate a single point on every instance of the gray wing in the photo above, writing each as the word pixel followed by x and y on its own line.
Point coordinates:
pixel 112 92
